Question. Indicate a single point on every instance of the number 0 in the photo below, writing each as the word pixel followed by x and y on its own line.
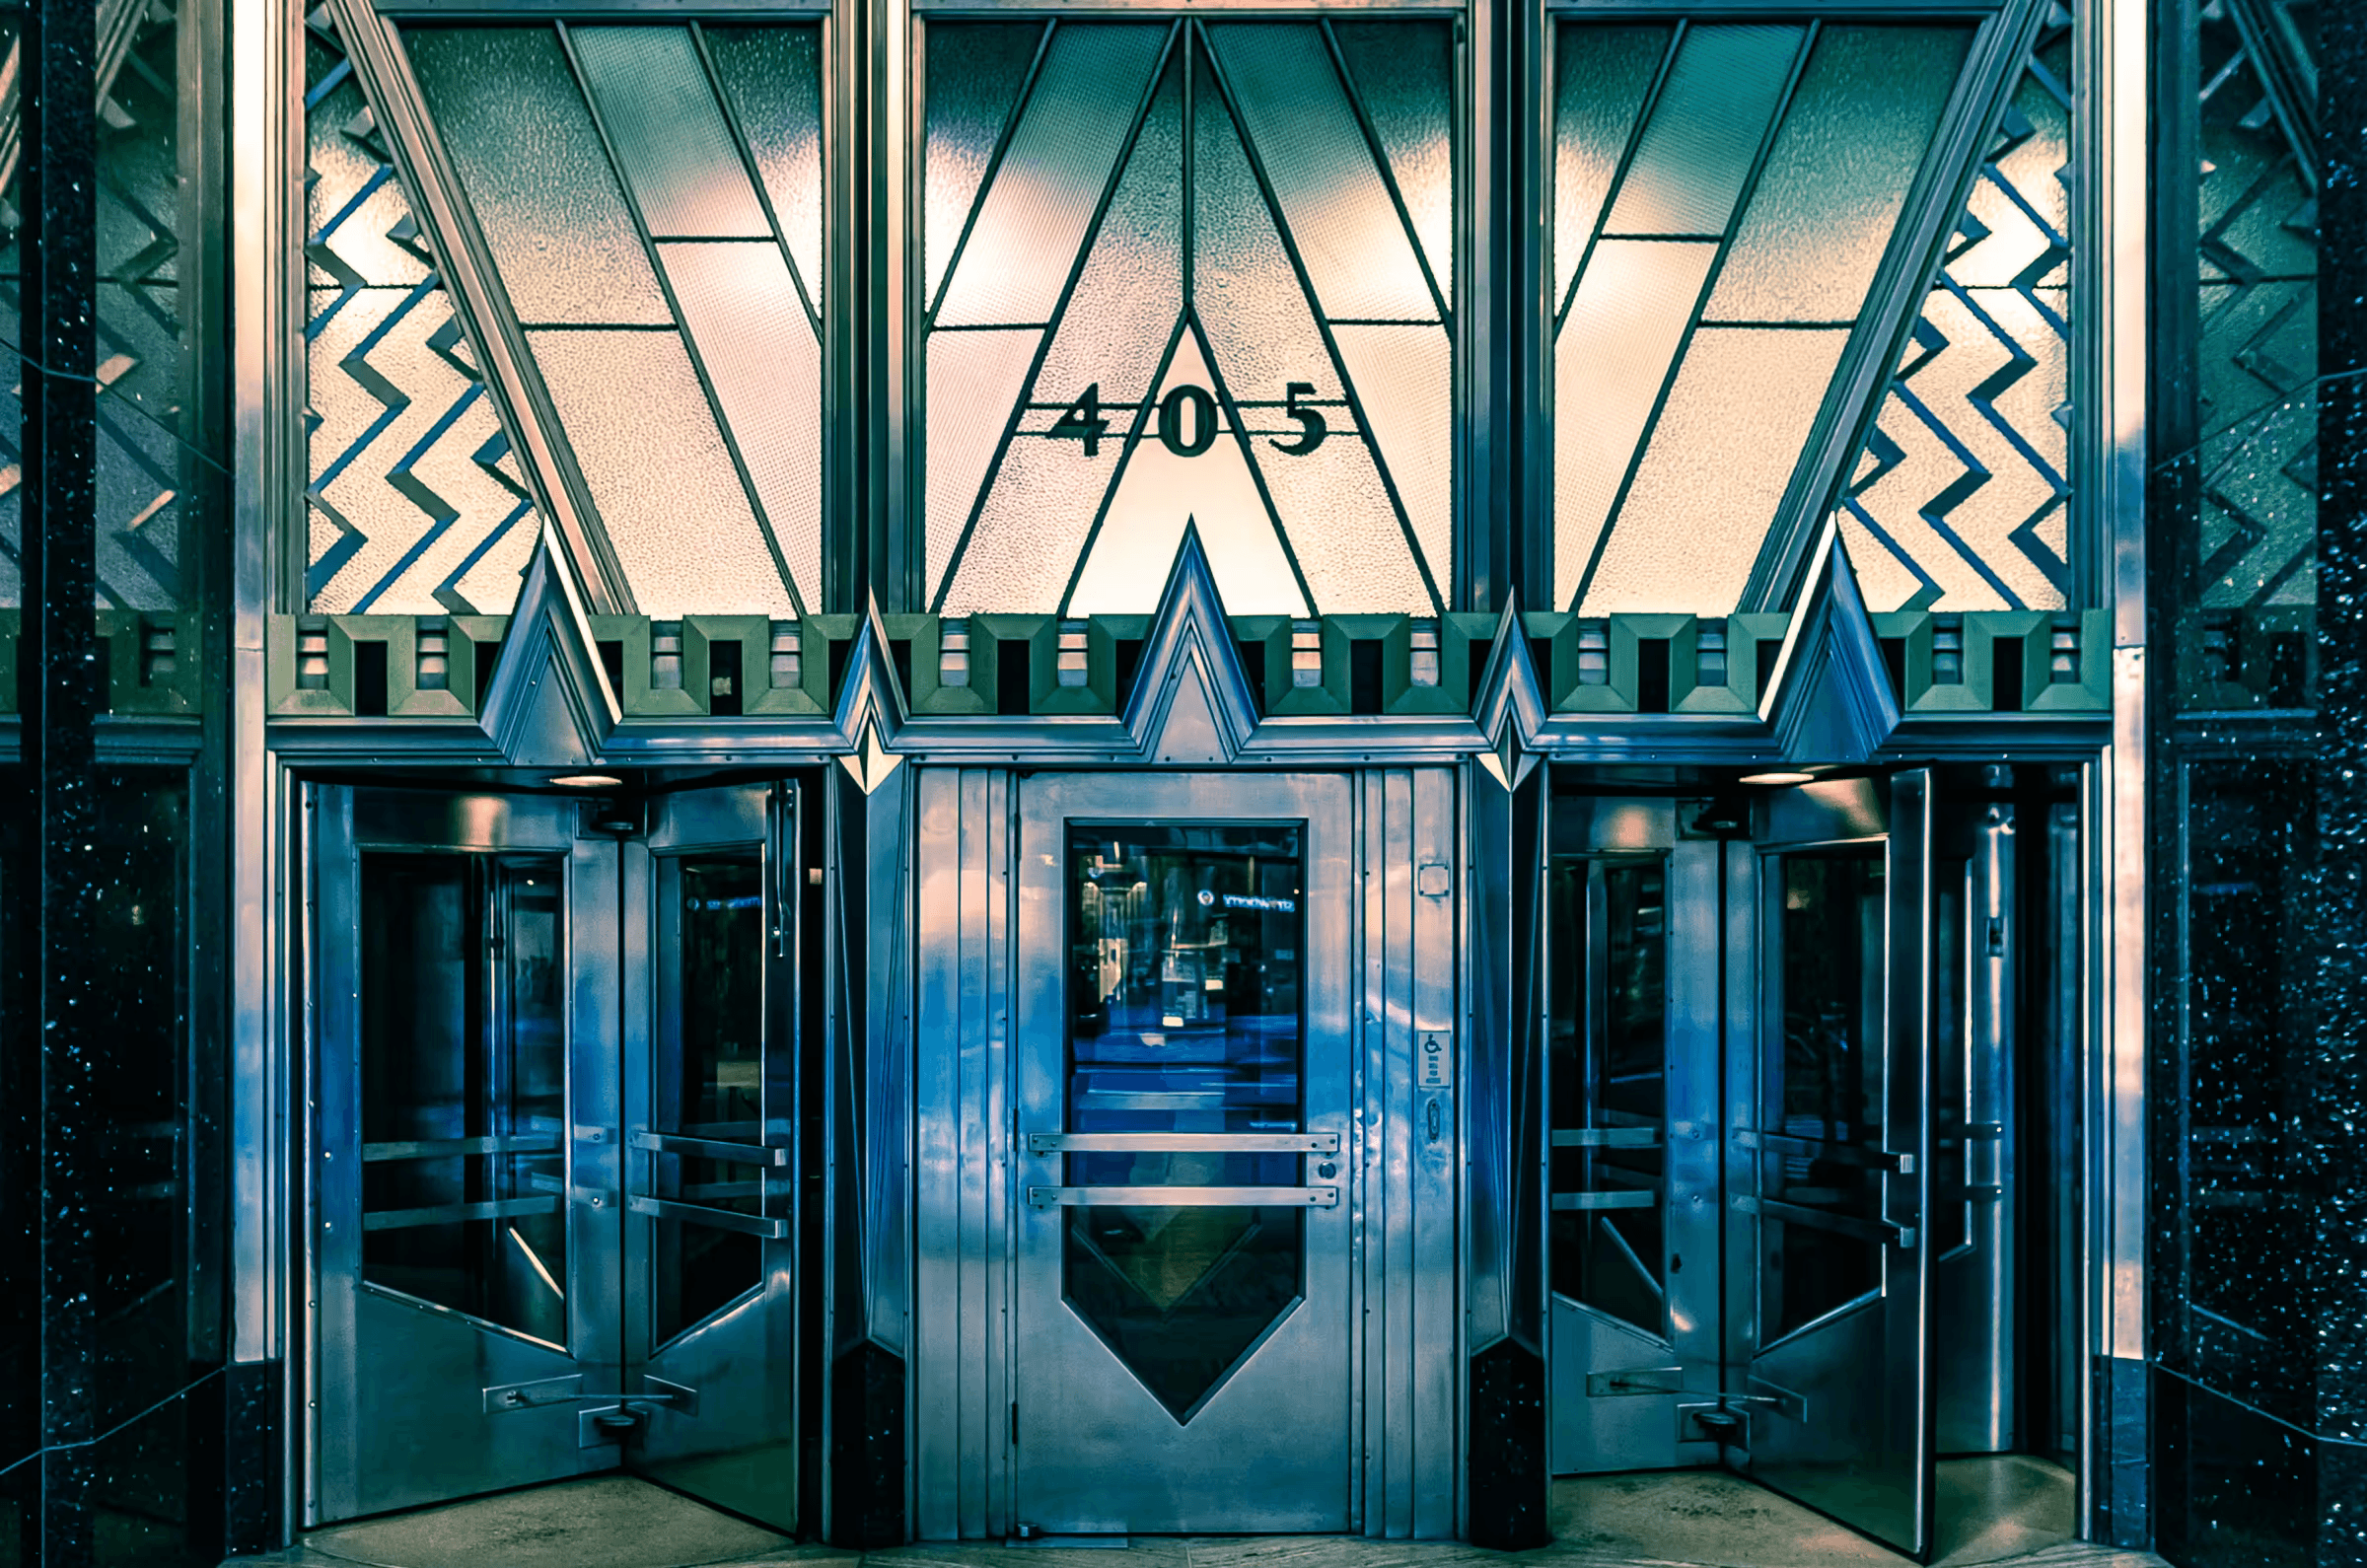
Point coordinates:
pixel 1203 420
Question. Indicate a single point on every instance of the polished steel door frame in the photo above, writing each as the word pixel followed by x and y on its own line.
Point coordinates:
pixel 467 1405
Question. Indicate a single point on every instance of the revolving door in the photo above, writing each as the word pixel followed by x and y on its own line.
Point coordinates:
pixel 552 1155
pixel 1780 1139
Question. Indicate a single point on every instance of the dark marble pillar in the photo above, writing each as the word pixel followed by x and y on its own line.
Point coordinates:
pixel 2332 1084
pixel 60 691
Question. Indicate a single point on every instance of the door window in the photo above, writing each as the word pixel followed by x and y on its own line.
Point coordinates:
pixel 465 1085
pixel 1184 1015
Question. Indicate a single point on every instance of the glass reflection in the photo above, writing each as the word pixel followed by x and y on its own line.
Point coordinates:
pixel 1825 1081
pixel 464 1084
pixel 710 1078
pixel 1185 1017
pixel 1609 1009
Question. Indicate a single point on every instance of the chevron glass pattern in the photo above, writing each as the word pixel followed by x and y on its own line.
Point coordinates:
pixel 416 503
pixel 148 460
pixel 2258 282
pixel 1960 499
pixel 1189 273
pixel 1724 196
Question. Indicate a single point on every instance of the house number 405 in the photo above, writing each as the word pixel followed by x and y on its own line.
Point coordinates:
pixel 1186 420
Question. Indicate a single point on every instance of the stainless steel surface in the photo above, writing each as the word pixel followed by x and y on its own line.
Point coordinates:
pixel 671 1034
pixel 1183 1142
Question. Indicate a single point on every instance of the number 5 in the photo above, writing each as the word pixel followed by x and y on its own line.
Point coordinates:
pixel 1312 428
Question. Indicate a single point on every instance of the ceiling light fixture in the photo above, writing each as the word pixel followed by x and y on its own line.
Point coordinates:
pixel 588 781
pixel 1778 778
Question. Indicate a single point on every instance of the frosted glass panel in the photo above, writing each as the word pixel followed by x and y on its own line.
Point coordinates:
pixel 1625 326
pixel 1602 76
pixel 1721 456
pixel 1704 131
pixel 756 343
pixel 1054 175
pixel 1351 543
pixel 1226 329
pixel 1347 232
pixel 1157 494
pixel 1837 180
pixel 517 130
pixel 1404 73
pixel 663 484
pixel 772 81
pixel 976 72
pixel 668 132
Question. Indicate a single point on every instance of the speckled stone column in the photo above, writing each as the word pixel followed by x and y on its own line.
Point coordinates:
pixel 2335 1077
pixel 60 680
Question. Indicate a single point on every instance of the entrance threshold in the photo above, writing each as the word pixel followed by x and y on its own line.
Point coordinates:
pixel 2008 1510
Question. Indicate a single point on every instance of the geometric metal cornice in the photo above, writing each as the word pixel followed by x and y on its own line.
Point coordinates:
pixel 1187 686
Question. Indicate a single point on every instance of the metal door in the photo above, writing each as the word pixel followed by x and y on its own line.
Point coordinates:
pixel 1828 1144
pixel 1181 1260
pixel 709 1116
pixel 549 1180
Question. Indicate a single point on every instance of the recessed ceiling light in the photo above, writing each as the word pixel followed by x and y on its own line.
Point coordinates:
pixel 588 781
pixel 1779 778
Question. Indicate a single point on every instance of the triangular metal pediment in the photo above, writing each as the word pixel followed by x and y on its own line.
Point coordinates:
pixel 1510 707
pixel 1192 701
pixel 1829 699
pixel 549 703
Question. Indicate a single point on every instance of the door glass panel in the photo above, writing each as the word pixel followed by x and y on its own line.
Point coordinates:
pixel 1184 1015
pixel 1610 1085
pixel 709 1079
pixel 465 1085
pixel 1827 1082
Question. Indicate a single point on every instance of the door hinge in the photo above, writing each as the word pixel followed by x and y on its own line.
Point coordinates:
pixel 1015 1423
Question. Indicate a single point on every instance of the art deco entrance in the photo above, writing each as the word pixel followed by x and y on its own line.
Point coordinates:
pixel 551 1180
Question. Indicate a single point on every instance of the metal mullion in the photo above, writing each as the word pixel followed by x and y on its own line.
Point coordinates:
pixel 1058 315
pixel 2281 79
pixel 1230 410
pixel 1388 177
pixel 755 177
pixel 1620 173
pixel 447 222
pixel 994 167
pixel 1709 288
pixel 1598 1005
pixel 1322 328
pixel 1913 264
pixel 699 362
pixel 1126 455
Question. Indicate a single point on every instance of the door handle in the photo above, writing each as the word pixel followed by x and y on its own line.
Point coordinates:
pixel 710 1148
pixel 770 1229
pixel 1183 1143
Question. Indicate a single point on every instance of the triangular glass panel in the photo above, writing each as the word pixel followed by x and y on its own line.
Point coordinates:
pixel 1735 217
pixel 1299 250
pixel 650 199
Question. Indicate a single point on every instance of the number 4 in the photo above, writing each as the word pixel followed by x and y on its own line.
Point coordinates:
pixel 1081 421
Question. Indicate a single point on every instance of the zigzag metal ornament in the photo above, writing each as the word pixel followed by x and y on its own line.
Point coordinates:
pixel 1192 700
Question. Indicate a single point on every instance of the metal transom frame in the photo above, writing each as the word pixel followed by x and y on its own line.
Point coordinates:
pixel 551 1161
